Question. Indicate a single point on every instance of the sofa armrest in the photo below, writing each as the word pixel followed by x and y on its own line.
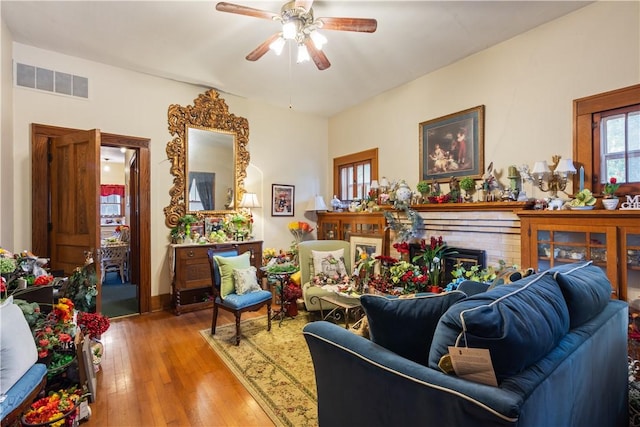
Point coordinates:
pixel 23 393
pixel 378 387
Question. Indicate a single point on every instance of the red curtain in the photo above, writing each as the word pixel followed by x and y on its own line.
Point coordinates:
pixel 112 189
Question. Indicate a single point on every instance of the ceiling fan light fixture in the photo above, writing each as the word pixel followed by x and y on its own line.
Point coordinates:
pixel 277 45
pixel 319 40
pixel 290 30
pixel 303 54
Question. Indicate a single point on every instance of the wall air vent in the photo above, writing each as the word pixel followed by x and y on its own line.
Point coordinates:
pixel 51 81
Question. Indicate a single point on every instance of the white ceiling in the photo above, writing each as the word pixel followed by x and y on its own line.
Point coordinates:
pixel 192 42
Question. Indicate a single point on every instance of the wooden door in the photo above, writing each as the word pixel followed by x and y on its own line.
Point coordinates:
pixel 75 201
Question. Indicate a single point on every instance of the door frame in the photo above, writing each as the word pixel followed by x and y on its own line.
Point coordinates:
pixel 40 184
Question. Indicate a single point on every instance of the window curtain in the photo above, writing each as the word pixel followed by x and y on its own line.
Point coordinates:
pixel 204 185
pixel 111 190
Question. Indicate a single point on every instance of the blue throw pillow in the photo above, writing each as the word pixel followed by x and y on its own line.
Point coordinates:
pixel 518 323
pixel 406 325
pixel 586 290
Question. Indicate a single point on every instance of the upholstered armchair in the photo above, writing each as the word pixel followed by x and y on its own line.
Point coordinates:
pixel 310 293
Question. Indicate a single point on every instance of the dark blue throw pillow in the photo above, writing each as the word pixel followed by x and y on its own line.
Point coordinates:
pixel 586 290
pixel 518 323
pixel 406 326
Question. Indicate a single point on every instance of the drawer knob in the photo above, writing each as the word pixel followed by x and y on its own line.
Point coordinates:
pixel 190 254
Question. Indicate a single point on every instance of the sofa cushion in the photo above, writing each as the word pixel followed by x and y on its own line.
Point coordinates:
pixel 586 290
pixel 245 280
pixel 406 326
pixel 518 323
pixel 330 263
pixel 227 264
pixel 17 347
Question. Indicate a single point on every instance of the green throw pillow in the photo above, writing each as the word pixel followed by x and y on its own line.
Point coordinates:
pixel 227 264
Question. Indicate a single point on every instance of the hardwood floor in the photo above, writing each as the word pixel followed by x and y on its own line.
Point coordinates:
pixel 158 371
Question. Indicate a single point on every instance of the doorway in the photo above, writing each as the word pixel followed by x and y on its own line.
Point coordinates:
pixel 138 203
pixel 118 198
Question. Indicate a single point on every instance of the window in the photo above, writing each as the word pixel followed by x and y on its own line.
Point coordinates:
pixel 111 200
pixel 352 174
pixel 618 139
pixel 195 204
pixel 111 205
pixel 607 138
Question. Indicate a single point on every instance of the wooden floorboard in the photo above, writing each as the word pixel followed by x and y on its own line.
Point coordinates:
pixel 158 371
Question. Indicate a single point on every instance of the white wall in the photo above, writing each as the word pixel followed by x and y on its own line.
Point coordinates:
pixel 527 84
pixel 134 104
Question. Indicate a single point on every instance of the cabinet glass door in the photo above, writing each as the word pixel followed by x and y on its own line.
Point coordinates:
pixel 631 262
pixel 560 247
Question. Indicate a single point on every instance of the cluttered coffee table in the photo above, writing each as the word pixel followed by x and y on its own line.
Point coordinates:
pixel 349 304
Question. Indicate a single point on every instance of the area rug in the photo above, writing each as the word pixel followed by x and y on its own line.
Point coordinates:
pixel 275 367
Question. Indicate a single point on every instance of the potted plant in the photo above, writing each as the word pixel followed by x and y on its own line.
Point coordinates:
pixel 610 200
pixel 468 184
pixel 423 187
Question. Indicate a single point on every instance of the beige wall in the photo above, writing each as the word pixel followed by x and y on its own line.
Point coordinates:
pixel 6 129
pixel 527 84
pixel 283 144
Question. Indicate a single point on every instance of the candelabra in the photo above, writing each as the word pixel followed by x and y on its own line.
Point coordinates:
pixel 554 177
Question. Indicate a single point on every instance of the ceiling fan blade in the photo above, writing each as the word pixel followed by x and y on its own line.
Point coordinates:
pixel 317 55
pixel 258 52
pixel 306 4
pixel 244 10
pixel 363 25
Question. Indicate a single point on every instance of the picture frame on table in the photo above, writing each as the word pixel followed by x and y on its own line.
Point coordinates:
pixel 453 146
pixel 282 200
pixel 371 244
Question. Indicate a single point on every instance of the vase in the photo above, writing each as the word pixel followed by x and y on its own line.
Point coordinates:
pixel 434 289
pixel 610 204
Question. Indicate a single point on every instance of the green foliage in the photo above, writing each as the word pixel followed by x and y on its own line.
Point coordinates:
pixel 31 311
pixel 81 288
pixel 403 231
pixel 423 187
pixel 467 183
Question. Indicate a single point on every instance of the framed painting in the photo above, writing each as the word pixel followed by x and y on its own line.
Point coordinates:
pixel 282 200
pixel 371 244
pixel 453 145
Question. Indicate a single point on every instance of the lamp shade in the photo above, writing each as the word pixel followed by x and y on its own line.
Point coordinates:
pixel 540 168
pixel 317 204
pixel 566 166
pixel 374 184
pixel 249 200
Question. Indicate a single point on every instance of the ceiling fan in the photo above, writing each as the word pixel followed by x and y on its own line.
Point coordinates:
pixel 300 26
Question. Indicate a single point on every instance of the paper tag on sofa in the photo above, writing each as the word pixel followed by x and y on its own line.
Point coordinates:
pixel 473 364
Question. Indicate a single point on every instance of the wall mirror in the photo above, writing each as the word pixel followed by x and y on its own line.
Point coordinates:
pixel 208 156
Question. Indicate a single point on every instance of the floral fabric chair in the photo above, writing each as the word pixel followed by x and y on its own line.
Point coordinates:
pixel 310 292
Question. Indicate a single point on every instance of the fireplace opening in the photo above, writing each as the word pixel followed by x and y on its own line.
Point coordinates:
pixel 467 257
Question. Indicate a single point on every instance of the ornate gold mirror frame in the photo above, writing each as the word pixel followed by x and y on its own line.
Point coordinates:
pixel 208 112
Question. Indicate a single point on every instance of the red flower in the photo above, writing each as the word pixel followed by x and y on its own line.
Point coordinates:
pixel 43 280
pixel 613 180
pixel 64 338
pixel 403 247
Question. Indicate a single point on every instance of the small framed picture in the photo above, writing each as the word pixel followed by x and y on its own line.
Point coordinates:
pixel 371 244
pixel 282 200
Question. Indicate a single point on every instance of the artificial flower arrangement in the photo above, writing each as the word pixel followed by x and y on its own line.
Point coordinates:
pixel 610 188
pixel 299 229
pixel 431 257
pixel 20 271
pixel 56 331
pixel 92 324
pixel 54 408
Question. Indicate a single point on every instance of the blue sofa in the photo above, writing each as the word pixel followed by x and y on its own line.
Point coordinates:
pixel 558 345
